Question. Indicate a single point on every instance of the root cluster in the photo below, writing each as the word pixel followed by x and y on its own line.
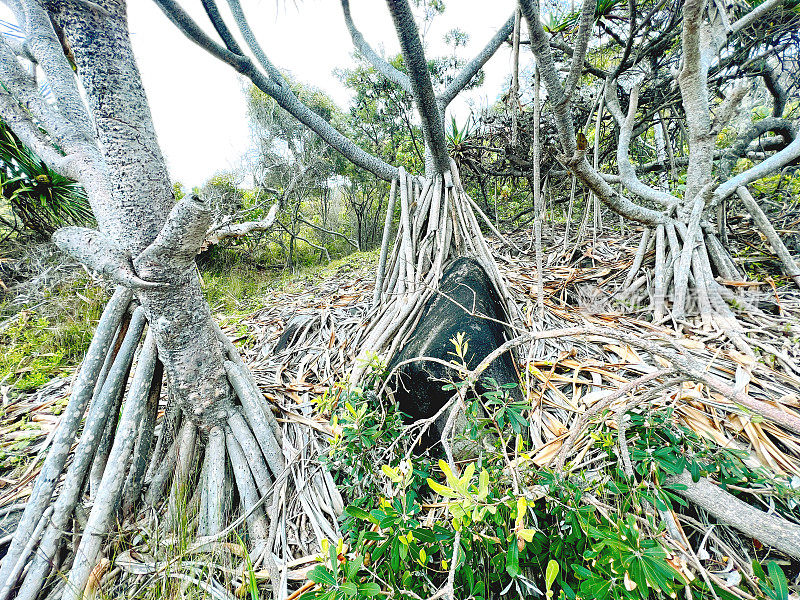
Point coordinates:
pixel 242 469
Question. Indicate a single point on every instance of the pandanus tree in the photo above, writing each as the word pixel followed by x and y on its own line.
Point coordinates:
pixel 98 132
pixel 437 221
pixel 713 56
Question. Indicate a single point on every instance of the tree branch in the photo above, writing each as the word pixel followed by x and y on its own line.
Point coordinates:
pixel 762 222
pixel 414 55
pixel 252 42
pixel 754 15
pixel 769 165
pixel 472 67
pixel 330 232
pixel 23 87
pixel 626 169
pixel 93 249
pixel 693 84
pixel 382 66
pixel 581 45
pixel 274 86
pixel 739 148
pixel 45 46
pixel 237 230
pixel 212 11
pixel 29 133
pixel 180 238
pixel 773 84
pixel 574 159
pixel 728 108
pixel 569 51
pixel 771 530
pixel 181 19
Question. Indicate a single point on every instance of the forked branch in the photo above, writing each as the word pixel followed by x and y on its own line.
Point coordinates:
pixel 272 83
pixel 381 65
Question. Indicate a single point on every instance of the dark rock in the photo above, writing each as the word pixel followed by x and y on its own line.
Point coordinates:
pixel 464 285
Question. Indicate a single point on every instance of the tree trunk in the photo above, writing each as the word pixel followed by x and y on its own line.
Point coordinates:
pixel 153 240
pixel 178 314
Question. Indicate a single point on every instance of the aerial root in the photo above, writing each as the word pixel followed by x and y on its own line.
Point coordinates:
pixel 42 492
pixel 212 509
pixel 681 281
pixel 110 488
pixel 437 224
pixel 124 459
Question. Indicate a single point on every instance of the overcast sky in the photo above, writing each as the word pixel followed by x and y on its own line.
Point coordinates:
pixel 198 102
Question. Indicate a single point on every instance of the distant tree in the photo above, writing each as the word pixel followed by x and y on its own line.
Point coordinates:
pixel 682 87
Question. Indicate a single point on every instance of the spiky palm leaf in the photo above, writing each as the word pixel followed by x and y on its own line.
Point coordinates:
pixel 40 198
pixel 558 22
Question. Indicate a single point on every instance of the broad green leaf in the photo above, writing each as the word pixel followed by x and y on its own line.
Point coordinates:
pixel 322 575
pixel 483 485
pixel 391 473
pixel 551 573
pixel 334 554
pixel 424 535
pixel 522 506
pixel 357 513
pixel 468 473
pixel 353 566
pixel 441 489
pixel 512 560
pixel 596 588
pixel 527 535
pixel 369 590
pixel 349 589
pixel 778 580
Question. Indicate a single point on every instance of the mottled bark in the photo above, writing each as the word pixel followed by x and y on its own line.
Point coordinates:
pixel 770 529
pixel 162 239
pixel 692 80
pixel 425 99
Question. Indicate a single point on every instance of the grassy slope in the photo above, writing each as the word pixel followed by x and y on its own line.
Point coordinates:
pixel 47 338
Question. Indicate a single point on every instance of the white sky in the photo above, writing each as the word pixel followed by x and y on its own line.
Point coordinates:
pixel 198 102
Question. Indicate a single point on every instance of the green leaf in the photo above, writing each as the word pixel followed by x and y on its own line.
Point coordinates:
pixel 424 535
pixel 512 559
pixel 441 489
pixel 778 580
pixel 322 575
pixel 582 572
pixel 758 570
pixel 695 470
pixel 551 574
pixel 369 589
pixel 452 480
pixel 353 566
pixel 357 513
pixel 596 588
pixel 349 589
pixel 334 560
pixel 483 485
pixel 391 473
pixel 468 473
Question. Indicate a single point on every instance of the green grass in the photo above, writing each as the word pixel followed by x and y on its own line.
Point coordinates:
pixel 238 288
pixel 48 340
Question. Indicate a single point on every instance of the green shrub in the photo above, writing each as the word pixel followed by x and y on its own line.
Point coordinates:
pixel 592 535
